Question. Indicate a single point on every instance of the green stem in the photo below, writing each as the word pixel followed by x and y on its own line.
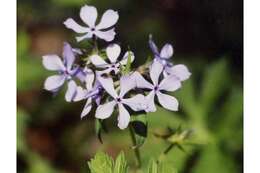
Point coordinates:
pixel 136 149
pixel 95 44
pixel 165 152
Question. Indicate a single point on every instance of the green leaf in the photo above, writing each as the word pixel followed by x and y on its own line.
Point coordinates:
pixel 139 127
pixel 186 97
pixel 99 128
pixel 101 163
pixel 162 167
pixel 21 122
pixel 213 160
pixel 39 165
pixel 152 167
pixel 216 81
pixel 121 164
pixel 23 43
pixel 127 68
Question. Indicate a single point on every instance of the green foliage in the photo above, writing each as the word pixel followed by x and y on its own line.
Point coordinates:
pixel 69 3
pixel 213 160
pixel 216 80
pixel 99 128
pixel 127 68
pixel 40 165
pixel 102 163
pixel 160 167
pixel 121 164
pixel 139 128
pixel 21 122
pixel 30 72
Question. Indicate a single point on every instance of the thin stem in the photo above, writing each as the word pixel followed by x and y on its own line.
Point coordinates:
pixel 165 152
pixel 136 149
pixel 95 43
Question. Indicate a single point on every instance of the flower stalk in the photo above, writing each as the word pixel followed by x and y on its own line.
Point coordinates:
pixel 136 149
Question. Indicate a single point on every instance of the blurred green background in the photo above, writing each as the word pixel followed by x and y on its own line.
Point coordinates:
pixel 207 37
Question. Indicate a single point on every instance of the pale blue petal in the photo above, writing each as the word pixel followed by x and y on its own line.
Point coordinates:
pixel 104 111
pixel 123 117
pixel 127 83
pixel 168 102
pixel 109 18
pixel 53 62
pixel 170 83
pixel 68 55
pixel 141 82
pixel 167 51
pixel 54 82
pixel 87 108
pixel 108 85
pixel 136 103
pixel 71 91
pixel 155 71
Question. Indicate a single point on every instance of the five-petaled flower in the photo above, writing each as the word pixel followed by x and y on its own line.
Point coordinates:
pixel 180 71
pixel 112 51
pixel 136 103
pixel 66 72
pixel 169 83
pixel 103 30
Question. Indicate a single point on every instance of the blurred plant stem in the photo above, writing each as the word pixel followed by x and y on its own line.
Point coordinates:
pixel 165 152
pixel 135 148
pixel 95 44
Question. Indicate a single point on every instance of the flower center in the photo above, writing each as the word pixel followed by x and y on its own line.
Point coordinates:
pixel 156 88
pixel 118 99
pixel 66 72
pixel 113 66
pixel 92 29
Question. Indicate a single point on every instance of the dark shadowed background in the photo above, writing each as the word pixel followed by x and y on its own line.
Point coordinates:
pixel 207 36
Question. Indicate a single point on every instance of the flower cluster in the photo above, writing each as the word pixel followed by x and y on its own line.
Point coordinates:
pixel 105 80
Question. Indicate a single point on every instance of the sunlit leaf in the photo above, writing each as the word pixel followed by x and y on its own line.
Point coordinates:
pixel 121 164
pixel 101 163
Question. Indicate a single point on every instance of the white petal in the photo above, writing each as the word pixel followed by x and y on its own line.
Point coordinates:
pixel 127 83
pixel 106 35
pixel 54 82
pixel 125 58
pixel 86 108
pixel 71 24
pixel 53 62
pixel 113 52
pixel 71 91
pixel 170 83
pixel 89 15
pixel 108 85
pixel 108 19
pixel 68 55
pixel 81 94
pixel 98 61
pixel 136 103
pixel 86 36
pixel 155 71
pixel 167 51
pixel 150 102
pixel 90 77
pixel 141 82
pixel 104 111
pixel 123 118
pixel 180 71
pixel 168 102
